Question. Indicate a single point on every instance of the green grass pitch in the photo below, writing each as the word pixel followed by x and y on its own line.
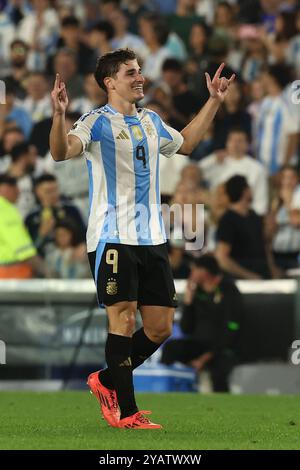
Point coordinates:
pixel 71 420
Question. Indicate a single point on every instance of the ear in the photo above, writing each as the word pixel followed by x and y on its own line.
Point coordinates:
pixel 108 82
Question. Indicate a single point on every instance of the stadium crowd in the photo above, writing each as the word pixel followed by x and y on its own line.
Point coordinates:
pixel 245 171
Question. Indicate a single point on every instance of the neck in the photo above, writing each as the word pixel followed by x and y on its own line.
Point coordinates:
pixel 154 46
pixel 232 107
pixel 241 207
pixel 237 156
pixel 123 107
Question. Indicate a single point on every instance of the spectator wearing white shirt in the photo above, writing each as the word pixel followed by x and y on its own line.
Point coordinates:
pixel 7 34
pixel 123 38
pixel 38 102
pixel 284 220
pixel 155 32
pixel 277 130
pixel 219 167
pixel 39 29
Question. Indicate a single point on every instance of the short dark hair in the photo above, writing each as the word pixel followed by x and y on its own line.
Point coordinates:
pixel 281 73
pixel 70 20
pixel 209 263
pixel 108 64
pixel 172 64
pixel 235 187
pixel 18 150
pixel 20 43
pixel 104 27
pixel 69 224
pixel 45 178
pixel 238 130
pixel 6 179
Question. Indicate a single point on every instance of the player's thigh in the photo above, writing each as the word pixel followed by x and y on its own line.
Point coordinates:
pixel 114 268
pixel 156 284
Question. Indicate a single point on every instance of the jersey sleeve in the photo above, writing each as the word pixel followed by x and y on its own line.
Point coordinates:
pixel 170 139
pixel 85 129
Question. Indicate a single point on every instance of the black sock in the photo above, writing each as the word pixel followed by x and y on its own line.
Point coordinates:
pixel 118 359
pixel 142 348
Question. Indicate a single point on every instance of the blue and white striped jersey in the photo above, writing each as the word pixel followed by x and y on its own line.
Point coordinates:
pixel 122 154
pixel 275 123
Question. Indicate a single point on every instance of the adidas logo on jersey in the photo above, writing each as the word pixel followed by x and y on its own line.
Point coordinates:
pixel 123 135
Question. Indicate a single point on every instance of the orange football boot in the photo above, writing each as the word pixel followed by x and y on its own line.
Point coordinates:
pixel 138 421
pixel 107 399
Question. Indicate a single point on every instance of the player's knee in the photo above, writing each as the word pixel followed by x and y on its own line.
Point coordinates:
pixel 159 335
pixel 127 322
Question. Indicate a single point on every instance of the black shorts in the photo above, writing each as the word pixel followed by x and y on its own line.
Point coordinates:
pixel 133 273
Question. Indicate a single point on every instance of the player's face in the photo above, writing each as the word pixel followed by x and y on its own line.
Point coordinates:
pixel 129 81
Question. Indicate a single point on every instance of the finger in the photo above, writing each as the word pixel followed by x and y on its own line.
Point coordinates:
pixel 231 78
pixel 218 72
pixel 223 84
pixel 208 80
pixel 57 81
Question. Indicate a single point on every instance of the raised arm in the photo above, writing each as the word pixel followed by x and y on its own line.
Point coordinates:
pixel 196 129
pixel 62 146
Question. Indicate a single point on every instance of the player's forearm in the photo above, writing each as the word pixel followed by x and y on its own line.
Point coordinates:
pixel 58 137
pixel 196 129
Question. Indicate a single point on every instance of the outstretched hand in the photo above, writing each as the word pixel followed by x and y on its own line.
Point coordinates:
pixel 59 96
pixel 218 86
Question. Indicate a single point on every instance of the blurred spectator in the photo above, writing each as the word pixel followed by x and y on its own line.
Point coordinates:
pixel 22 167
pixel 70 38
pixel 217 205
pixel 292 52
pixel 100 36
pixel 154 30
pixel 108 6
pixel 134 9
pixel 67 258
pixel 278 42
pixel 285 219
pixel 241 246
pixel 183 19
pixel 38 102
pixel 16 10
pixel 10 138
pixel 12 115
pixel 39 29
pixel 231 114
pixel 224 22
pixel 256 93
pixel 277 126
pixel 220 166
pixel 51 209
pixel 196 64
pixel 178 260
pixel 184 103
pixel 211 321
pixel 18 258
pixel 254 58
pixel 71 175
pixel 94 97
pixel 7 33
pixel 18 67
pixel 65 63
pixel 123 38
